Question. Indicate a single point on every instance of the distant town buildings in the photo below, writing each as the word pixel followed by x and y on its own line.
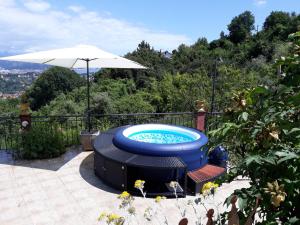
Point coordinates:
pixel 11 96
pixel 4 71
pixel 14 82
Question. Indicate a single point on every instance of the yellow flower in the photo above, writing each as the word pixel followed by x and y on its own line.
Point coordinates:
pixel 277 193
pixel 208 187
pixel 124 195
pixel 102 216
pixel 139 184
pixel 112 217
pixel 277 199
pixel 159 198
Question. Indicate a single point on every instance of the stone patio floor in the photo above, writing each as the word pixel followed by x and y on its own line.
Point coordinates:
pixel 65 191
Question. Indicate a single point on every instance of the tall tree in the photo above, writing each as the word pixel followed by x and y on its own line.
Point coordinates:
pixel 241 26
pixel 278 25
pixel 156 62
pixel 50 84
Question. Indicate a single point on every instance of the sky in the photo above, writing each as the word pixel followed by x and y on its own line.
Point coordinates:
pixel 118 26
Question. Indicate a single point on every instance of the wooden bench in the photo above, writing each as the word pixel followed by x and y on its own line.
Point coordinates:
pixel 197 178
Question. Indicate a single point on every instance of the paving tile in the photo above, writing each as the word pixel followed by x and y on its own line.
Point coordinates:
pixel 44 218
pixel 6 195
pixel 61 191
pixel 87 205
pixel 9 184
pixel 59 202
pixel 51 183
pixel 79 195
pixel 76 185
pixel 18 221
pixel 70 178
pixel 5 171
pixel 12 214
pixel 43 177
pixel 66 171
pixel 37 207
pixel 11 203
pixel 56 193
pixel 35 196
pixel 28 189
pixel 71 221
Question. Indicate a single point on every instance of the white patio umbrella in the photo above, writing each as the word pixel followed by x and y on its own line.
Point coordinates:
pixel 81 56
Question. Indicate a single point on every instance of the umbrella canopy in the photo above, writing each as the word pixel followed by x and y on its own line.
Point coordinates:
pixel 76 57
pixel 81 56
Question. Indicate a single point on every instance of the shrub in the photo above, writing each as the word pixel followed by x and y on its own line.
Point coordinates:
pixel 41 142
pixel 262 127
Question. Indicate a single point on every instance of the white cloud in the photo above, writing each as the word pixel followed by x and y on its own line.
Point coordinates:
pixel 30 30
pixel 6 3
pixel 36 5
pixel 75 8
pixel 260 2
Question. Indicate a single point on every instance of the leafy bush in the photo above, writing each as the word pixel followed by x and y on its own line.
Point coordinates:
pixel 263 127
pixel 135 103
pixel 42 142
pixel 50 84
pixel 101 103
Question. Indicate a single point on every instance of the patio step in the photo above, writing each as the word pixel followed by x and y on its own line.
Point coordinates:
pixel 197 178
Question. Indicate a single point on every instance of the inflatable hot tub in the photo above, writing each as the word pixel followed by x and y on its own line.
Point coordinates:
pixel 164 141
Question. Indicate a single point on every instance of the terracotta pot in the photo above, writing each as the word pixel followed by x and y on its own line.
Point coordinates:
pixel 24 106
pixel 87 138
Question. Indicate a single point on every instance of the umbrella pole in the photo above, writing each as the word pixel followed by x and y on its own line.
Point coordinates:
pixel 88 95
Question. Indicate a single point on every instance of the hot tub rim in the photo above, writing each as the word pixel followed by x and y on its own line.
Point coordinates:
pixel 144 148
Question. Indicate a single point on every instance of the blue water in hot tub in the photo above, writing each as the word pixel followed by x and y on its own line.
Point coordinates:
pixel 161 137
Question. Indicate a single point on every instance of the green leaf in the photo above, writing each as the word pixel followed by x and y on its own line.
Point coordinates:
pixel 270 160
pixel 294 130
pixel 251 159
pixel 245 116
pixel 286 156
pixel 293 220
pixel 285 131
pixel 295 99
pixel 259 90
pixel 242 203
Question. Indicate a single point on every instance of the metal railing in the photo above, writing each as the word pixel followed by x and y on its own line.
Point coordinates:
pixel 70 126
pixel 213 120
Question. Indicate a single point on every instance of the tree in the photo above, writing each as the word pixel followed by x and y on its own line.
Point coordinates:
pixel 9 107
pixel 173 84
pixel 136 103
pixel 154 60
pixel 101 104
pixel 278 25
pixel 241 26
pixel 262 127
pixel 50 84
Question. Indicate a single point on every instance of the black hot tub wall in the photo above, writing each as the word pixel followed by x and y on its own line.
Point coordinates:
pixel 120 169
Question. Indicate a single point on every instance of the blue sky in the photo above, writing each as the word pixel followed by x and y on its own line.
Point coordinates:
pixel 119 25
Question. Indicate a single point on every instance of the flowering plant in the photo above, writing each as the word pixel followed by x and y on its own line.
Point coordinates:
pixel 264 131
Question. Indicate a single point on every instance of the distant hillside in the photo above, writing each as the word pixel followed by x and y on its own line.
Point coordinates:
pixel 21 66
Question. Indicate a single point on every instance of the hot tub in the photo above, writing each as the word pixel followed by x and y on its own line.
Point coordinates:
pixel 164 141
